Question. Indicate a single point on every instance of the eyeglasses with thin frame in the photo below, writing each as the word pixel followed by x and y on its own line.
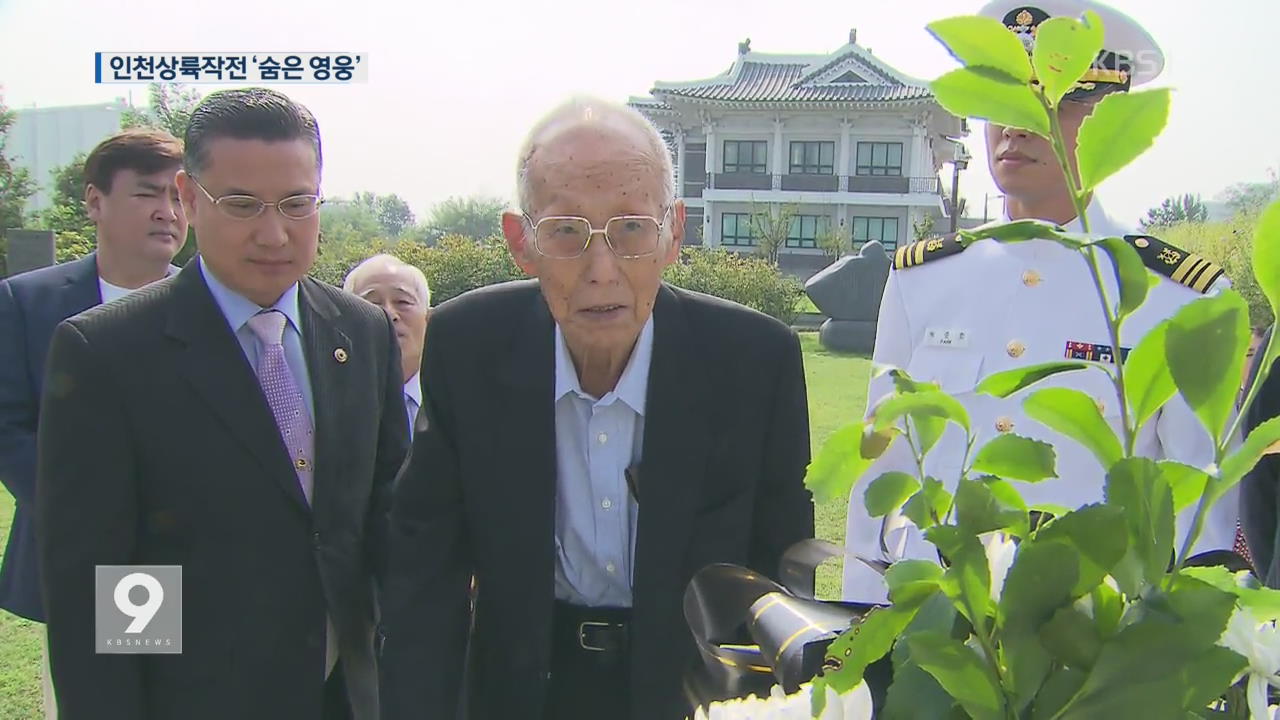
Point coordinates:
pixel 565 237
pixel 248 207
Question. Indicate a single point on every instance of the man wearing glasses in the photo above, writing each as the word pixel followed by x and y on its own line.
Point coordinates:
pixel 587 442
pixel 238 420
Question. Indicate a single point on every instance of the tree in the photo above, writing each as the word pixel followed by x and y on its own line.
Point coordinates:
pixel 66 215
pixel 834 243
pixel 393 214
pixel 770 230
pixel 477 217
pixel 16 186
pixel 922 227
pixel 170 108
pixel 1174 210
pixel 1249 198
pixel 349 222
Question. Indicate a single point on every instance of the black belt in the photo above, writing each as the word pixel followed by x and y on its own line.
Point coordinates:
pixel 591 633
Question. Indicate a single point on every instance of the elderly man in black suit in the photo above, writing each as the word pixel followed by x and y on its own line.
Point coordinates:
pixel 587 442
pixel 239 420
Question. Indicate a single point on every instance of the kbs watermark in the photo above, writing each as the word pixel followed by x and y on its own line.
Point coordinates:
pixel 138 609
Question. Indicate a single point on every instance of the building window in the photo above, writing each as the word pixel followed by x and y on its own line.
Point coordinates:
pixel 882 229
pixel 805 229
pixel 745 156
pixel 875 158
pixel 813 158
pixel 735 229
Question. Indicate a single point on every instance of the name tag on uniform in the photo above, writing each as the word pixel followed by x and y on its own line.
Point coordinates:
pixel 946 337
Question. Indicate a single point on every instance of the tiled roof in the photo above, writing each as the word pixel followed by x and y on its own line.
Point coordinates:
pixel 758 77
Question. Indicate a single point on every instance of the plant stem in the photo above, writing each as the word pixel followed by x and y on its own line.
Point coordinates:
pixel 1219 452
pixel 1059 143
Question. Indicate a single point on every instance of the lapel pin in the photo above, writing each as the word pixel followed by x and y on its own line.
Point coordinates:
pixel 340 355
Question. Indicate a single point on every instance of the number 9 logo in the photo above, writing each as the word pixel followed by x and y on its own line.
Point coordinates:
pixel 144 613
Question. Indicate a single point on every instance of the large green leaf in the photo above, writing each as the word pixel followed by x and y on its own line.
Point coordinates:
pixel 1041 581
pixel 1209 674
pixel 1187 483
pixel 1108 608
pixel 1131 274
pixel 1072 638
pixel 1263 602
pixel 992 95
pixel 1138 487
pixel 976 40
pixel 1007 382
pixel 1138 673
pixel 968 579
pixel 904 383
pixel 888 492
pixel 1064 50
pixel 1147 382
pixel 1061 686
pixel 1099 537
pixel 1121 127
pixel 915 694
pixel 928 404
pixel 927 431
pixel 1266 261
pixel 964 675
pixel 1016 458
pixel 849 655
pixel 1021 231
pixel 1074 414
pixel 1201 609
pixel 1262 441
pixel 1026 663
pixel 842 460
pixel 978 510
pixel 1205 348
pixel 1009 497
pixel 929 506
pixel 910 581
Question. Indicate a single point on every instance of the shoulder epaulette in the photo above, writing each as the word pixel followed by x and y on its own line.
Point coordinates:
pixel 922 251
pixel 1178 265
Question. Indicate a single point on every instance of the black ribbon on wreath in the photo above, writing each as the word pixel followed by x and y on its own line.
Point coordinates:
pixel 753 633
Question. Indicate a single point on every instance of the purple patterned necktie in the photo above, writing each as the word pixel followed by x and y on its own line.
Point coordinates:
pixel 283 396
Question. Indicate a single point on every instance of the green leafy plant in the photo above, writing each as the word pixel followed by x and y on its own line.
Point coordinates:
pixel 1083 615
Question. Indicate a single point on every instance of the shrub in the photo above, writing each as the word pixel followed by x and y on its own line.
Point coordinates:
pixel 746 279
pixel 1230 244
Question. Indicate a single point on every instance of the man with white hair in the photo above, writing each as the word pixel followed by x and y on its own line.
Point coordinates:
pixel 402 291
pixel 588 442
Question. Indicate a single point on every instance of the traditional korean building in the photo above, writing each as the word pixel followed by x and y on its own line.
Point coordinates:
pixel 851 144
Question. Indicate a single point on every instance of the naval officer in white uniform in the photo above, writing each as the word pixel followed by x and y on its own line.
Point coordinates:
pixel 954 315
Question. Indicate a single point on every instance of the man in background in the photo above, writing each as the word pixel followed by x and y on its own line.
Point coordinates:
pixel 402 291
pixel 131 197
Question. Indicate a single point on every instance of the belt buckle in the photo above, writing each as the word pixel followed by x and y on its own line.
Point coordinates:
pixel 582 635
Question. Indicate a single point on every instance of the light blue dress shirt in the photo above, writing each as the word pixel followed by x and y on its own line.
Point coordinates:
pixel 237 309
pixel 596 441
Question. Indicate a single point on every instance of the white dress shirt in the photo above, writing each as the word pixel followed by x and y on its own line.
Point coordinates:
pixel 413 398
pixel 596 441
pixel 110 292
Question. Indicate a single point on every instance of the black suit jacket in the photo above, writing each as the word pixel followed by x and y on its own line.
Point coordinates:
pixel 157 447
pixel 725 449
pixel 31 306
pixel 1260 488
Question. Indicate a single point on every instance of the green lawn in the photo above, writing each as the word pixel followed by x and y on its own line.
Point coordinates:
pixel 837 394
pixel 20 695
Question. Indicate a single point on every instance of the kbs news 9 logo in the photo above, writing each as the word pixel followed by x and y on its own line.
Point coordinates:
pixel 138 609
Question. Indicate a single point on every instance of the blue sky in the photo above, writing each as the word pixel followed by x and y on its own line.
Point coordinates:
pixel 453 86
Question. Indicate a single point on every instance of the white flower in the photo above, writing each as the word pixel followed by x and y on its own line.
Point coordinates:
pixel 1000 550
pixel 853 705
pixel 1259 643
